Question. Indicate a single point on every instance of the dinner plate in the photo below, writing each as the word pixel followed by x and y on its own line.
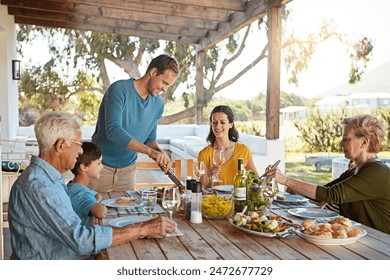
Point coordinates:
pixel 128 220
pixel 112 203
pixel 291 198
pixel 312 213
pixel 224 188
pixel 260 233
pixel 330 241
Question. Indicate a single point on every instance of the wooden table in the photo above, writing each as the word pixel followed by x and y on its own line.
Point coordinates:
pixel 218 240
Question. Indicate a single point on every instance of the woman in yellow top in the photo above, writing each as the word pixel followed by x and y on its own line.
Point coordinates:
pixel 224 136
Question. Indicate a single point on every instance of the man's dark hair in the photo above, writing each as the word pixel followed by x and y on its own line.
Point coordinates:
pixel 164 62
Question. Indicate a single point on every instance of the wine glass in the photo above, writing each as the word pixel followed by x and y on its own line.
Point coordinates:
pixel 218 160
pixel 199 169
pixel 149 200
pixel 171 200
pixel 270 190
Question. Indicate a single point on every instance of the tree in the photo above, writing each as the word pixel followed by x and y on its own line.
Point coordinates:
pixel 53 87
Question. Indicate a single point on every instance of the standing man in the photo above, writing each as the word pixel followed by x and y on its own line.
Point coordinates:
pixel 127 124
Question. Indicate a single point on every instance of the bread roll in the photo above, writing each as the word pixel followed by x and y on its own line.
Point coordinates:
pixel 308 223
pixel 354 231
pixel 339 234
pixel 125 200
pixel 344 221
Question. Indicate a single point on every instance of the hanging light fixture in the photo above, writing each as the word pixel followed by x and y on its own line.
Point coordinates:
pixel 16 69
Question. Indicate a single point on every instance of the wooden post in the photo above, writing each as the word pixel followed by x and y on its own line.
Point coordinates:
pixel 199 95
pixel 273 77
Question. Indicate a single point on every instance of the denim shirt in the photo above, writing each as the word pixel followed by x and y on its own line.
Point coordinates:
pixel 42 222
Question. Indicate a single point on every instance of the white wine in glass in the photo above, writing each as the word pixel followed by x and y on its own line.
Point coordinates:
pixel 171 200
pixel 218 160
pixel 199 170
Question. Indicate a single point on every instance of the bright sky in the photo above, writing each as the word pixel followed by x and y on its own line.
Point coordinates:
pixel 330 64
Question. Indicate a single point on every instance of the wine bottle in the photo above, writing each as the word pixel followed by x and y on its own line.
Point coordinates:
pixel 240 188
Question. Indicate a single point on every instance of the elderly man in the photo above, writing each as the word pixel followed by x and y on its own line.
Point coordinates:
pixel 42 222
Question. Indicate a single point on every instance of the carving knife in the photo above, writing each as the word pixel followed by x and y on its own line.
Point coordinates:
pixel 174 179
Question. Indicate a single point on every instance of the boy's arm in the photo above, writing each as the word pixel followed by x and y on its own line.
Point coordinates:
pixel 98 211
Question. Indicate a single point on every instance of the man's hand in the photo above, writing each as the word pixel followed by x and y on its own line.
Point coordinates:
pixel 159 227
pixel 162 160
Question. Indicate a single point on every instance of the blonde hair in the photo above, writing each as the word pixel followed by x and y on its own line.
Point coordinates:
pixel 52 126
pixel 367 126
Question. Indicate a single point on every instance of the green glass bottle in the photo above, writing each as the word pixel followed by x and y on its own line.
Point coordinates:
pixel 240 188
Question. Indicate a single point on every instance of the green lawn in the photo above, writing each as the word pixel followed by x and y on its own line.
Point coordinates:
pixel 296 168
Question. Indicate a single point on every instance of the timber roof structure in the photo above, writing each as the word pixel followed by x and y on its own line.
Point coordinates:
pixel 199 22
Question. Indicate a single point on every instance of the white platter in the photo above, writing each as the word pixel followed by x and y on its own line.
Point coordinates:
pixel 260 233
pixel 291 198
pixel 330 241
pixel 224 188
pixel 112 203
pixel 128 220
pixel 312 213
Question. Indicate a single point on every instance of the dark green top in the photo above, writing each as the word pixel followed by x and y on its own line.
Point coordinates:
pixel 363 197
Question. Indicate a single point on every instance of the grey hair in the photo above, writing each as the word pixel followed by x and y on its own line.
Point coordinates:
pixel 55 125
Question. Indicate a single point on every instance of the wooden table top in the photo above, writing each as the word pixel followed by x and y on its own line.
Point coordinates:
pixel 219 240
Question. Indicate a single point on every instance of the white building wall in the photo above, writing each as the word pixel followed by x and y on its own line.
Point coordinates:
pixel 8 88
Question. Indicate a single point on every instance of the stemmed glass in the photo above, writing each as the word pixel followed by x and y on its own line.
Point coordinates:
pixel 270 189
pixel 218 160
pixel 171 200
pixel 149 200
pixel 199 169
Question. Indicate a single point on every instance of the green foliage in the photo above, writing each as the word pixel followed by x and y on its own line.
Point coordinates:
pixel 384 115
pixel 290 99
pixel 251 128
pixel 321 132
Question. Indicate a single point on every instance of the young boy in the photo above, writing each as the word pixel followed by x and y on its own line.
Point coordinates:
pixel 84 200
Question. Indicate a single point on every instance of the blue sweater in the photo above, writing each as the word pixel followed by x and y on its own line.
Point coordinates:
pixel 124 115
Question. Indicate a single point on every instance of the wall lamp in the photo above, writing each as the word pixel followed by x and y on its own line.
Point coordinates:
pixel 16 69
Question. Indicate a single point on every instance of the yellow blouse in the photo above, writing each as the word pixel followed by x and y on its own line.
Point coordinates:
pixel 228 169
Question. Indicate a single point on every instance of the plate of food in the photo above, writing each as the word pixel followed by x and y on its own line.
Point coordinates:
pixel 122 202
pixel 271 226
pixel 290 198
pixel 128 220
pixel 339 231
pixel 312 213
pixel 224 188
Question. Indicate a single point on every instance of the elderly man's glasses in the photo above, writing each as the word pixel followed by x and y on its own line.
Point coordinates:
pixel 76 142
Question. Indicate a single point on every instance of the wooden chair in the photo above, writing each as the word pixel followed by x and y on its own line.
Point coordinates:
pixel 176 165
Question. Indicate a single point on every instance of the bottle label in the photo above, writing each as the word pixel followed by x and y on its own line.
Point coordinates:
pixel 240 193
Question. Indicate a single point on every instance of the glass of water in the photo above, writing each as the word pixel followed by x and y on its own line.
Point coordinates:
pixel 149 200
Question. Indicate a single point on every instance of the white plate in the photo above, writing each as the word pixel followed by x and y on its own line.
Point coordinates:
pixel 112 203
pixel 312 213
pixel 259 233
pixel 128 220
pixel 224 188
pixel 330 241
pixel 291 198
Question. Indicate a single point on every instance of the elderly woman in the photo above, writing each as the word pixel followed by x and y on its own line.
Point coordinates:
pixel 223 136
pixel 362 193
